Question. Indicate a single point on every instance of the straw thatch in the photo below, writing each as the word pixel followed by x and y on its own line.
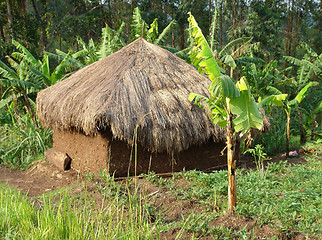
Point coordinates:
pixel 141 85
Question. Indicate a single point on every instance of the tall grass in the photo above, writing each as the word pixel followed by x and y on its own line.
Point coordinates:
pixel 74 217
pixel 21 141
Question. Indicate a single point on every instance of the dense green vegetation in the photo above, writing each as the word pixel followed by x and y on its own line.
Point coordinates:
pixel 267 53
pixel 279 25
pixel 286 198
pixel 25 71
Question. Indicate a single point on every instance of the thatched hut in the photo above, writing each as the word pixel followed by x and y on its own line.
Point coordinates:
pixel 136 95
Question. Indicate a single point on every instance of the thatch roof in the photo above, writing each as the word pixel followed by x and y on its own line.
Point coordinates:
pixel 140 85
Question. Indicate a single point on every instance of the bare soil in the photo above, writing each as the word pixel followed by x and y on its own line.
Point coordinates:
pixel 43 177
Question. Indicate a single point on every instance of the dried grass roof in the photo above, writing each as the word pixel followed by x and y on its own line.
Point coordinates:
pixel 140 85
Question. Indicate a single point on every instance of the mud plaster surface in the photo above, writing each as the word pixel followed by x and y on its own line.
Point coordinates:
pixel 94 153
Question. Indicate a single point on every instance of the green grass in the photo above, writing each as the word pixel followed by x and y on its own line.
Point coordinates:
pixel 286 198
pixel 61 216
pixel 21 142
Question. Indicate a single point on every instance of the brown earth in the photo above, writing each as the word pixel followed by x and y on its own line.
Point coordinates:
pixel 43 177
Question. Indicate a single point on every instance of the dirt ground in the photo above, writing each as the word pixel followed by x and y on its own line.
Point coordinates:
pixel 43 177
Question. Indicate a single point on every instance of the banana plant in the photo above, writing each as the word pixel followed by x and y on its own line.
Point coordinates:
pixel 17 82
pixel 26 75
pixel 111 41
pixel 279 99
pixel 43 72
pixel 309 69
pixel 139 28
pixel 261 78
pixel 308 66
pixel 312 118
pixel 40 70
pixel 229 104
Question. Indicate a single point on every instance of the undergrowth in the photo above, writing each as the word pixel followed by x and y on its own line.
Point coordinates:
pixel 287 198
pixel 21 141
pixel 274 140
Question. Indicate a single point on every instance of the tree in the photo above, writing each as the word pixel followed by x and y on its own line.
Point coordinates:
pixel 230 104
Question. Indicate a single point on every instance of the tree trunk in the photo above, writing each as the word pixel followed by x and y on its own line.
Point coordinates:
pixel 317 45
pixel 22 7
pixel 210 17
pixel 42 28
pixel 291 31
pixel 312 130
pixel 232 188
pixel 221 25
pixel 288 39
pixel 10 20
pixel 302 130
pixel 234 15
pixel 172 34
pixel 297 27
pixel 182 37
pixel 288 135
pixel 172 42
pixel 59 39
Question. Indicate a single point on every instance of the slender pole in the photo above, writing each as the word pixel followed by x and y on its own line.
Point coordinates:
pixel 232 187
pixel 288 135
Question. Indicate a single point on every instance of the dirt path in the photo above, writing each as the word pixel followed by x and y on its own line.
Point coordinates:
pixel 40 178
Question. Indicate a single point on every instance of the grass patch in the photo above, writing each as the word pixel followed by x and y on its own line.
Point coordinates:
pixel 21 142
pixel 189 205
pixel 62 216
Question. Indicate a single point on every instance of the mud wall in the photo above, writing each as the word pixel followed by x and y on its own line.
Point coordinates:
pixel 92 153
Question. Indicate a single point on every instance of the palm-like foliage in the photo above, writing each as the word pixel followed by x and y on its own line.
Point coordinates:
pixel 17 76
pixel 234 53
pixel 111 41
pixel 139 28
pixel 226 99
pixel 262 76
pixel 17 82
pixel 222 86
pixel 308 66
pixel 26 75
pixel 279 99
